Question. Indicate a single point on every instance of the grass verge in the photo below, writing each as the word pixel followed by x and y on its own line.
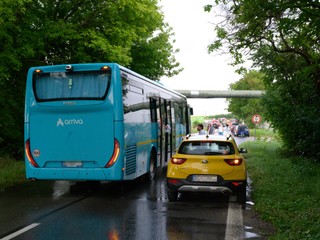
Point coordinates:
pixel 11 172
pixel 263 134
pixel 286 191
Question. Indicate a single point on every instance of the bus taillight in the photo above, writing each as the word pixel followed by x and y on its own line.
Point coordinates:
pixel 114 157
pixel 29 155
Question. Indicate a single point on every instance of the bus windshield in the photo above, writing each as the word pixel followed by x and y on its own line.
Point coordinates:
pixel 71 85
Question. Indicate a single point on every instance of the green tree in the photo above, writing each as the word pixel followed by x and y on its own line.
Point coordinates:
pixel 245 108
pixel 282 39
pixel 41 32
pixel 13 49
pixel 158 51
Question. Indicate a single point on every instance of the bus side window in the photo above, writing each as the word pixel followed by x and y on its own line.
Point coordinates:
pixel 125 86
pixel 125 90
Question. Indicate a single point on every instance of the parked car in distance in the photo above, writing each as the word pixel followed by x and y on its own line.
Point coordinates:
pixel 242 131
pixel 207 163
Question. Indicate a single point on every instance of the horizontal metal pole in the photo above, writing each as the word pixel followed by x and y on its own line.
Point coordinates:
pixel 221 93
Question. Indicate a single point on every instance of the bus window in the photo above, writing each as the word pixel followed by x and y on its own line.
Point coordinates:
pixel 71 85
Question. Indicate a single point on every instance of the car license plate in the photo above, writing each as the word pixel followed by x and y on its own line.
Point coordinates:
pixel 72 164
pixel 204 178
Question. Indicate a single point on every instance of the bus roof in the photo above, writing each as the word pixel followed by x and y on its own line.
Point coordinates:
pixel 157 83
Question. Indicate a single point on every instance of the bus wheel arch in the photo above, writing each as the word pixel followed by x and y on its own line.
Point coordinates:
pixel 152 164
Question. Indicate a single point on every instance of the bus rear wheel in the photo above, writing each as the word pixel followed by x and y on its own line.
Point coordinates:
pixel 152 165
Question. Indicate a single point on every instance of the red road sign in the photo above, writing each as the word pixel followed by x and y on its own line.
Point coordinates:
pixel 256 118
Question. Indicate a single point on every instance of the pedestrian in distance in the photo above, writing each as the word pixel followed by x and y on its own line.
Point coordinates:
pixel 200 129
pixel 210 128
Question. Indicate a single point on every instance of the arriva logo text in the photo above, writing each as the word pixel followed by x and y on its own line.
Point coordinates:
pixel 62 123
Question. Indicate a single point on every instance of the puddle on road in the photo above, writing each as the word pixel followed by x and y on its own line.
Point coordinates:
pixel 249 234
pixel 60 188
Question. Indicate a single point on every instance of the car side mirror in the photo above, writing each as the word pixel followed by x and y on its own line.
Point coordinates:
pixel 243 150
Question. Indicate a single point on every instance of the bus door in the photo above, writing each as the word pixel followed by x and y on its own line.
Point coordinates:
pixel 155 126
pixel 188 113
pixel 165 131
pixel 169 131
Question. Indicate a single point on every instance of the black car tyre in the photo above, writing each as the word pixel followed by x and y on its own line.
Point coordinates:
pixel 172 195
pixel 242 195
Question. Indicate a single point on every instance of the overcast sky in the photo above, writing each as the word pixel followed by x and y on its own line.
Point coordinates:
pixel 194 31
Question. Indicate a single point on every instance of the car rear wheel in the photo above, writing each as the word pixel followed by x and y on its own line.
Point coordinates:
pixel 242 195
pixel 172 195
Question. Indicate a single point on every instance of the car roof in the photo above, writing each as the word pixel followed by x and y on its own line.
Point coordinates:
pixel 206 137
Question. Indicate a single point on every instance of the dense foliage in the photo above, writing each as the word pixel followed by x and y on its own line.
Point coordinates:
pixel 40 32
pixel 245 108
pixel 282 39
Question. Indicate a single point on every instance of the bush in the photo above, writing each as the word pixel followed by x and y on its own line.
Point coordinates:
pixel 11 172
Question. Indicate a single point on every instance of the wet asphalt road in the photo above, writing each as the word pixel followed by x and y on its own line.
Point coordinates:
pixel 122 210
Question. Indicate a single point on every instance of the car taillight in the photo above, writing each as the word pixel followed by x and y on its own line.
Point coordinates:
pixel 234 161
pixel 29 155
pixel 237 184
pixel 173 181
pixel 114 157
pixel 178 160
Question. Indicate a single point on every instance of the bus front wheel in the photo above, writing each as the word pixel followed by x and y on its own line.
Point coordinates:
pixel 152 165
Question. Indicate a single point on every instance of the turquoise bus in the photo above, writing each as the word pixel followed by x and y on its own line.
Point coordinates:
pixel 99 121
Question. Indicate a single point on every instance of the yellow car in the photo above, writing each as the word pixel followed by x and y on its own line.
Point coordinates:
pixel 207 163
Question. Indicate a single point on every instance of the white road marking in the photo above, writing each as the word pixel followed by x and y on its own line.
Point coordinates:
pixel 17 233
pixel 234 230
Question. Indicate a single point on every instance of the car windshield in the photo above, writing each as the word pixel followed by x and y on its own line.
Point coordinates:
pixel 206 148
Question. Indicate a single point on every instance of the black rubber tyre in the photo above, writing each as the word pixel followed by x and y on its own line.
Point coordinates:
pixel 242 195
pixel 153 166
pixel 172 195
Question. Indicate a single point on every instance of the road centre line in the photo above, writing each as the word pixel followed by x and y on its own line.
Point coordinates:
pixel 17 233
pixel 234 229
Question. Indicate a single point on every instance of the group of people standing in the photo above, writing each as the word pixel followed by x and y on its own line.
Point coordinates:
pixel 211 129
